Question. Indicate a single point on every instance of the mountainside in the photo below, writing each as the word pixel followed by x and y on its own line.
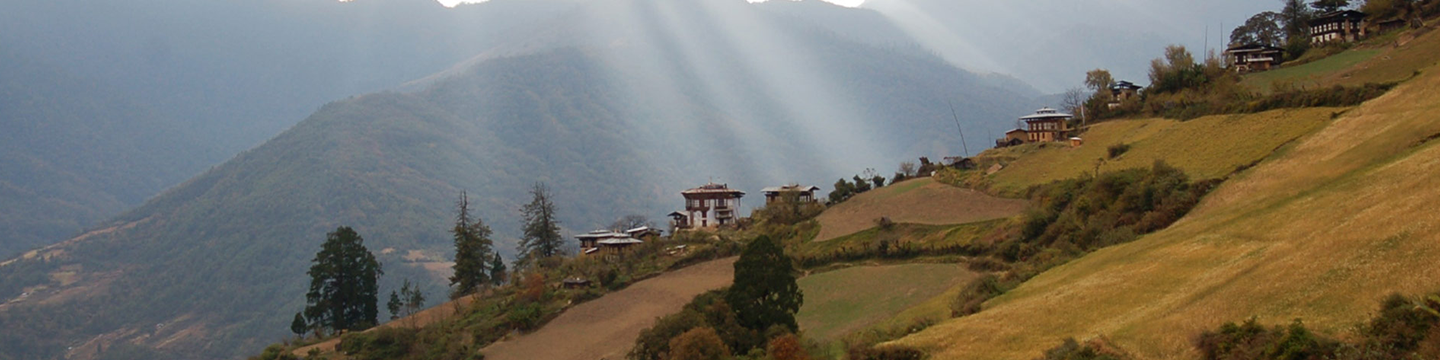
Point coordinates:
pixel 74 151
pixel 616 106
pixel 106 104
pixel 1320 232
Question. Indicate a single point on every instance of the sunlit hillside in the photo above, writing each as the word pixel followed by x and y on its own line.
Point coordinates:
pixel 1322 232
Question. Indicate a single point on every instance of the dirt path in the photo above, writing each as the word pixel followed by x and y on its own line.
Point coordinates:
pixel 606 328
pixel 919 201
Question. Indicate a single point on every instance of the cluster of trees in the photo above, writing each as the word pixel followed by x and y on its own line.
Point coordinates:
pixel 755 315
pixel 344 274
pixel 844 190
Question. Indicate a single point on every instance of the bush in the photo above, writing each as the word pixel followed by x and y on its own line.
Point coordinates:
pixel 378 344
pixel 698 344
pixel 525 316
pixel 1114 151
pixel 1073 350
pixel 891 352
pixel 976 293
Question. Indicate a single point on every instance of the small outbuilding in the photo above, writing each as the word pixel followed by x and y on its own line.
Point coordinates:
pixel 803 193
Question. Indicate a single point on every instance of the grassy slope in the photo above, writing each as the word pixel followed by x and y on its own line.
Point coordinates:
pixel 919 201
pixel 1207 147
pixel 1380 60
pixel 842 301
pixel 1321 232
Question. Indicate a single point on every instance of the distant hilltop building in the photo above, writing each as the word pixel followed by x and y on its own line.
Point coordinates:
pixel 1337 26
pixel 1253 57
pixel 1121 91
pixel 708 206
pixel 804 193
pixel 606 240
pixel 1044 125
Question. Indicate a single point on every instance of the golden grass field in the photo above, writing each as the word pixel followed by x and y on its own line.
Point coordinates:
pixel 843 301
pixel 1384 59
pixel 1206 147
pixel 1320 232
pixel 918 201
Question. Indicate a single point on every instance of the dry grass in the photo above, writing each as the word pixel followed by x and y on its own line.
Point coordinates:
pixel 1321 232
pixel 1206 147
pixel 919 201
pixel 606 328
pixel 843 301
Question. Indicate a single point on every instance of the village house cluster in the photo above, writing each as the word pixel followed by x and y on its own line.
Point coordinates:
pixel 709 206
pixel 1342 26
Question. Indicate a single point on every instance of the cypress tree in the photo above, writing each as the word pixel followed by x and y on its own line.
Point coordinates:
pixel 765 293
pixel 497 270
pixel 541 229
pixel 343 290
pixel 472 251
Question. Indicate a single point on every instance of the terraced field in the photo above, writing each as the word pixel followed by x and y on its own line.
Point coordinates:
pixel 918 201
pixel 1321 232
pixel 843 301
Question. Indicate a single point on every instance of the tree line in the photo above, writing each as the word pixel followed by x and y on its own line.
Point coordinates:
pixel 344 294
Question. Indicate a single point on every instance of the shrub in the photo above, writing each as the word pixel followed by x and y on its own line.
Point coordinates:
pixel 1114 151
pixel 890 352
pixel 698 344
pixel 525 316
pixel 786 347
pixel 1073 350
pixel 378 344
pixel 973 295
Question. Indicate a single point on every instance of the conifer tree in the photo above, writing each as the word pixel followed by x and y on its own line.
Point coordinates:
pixel 765 293
pixel 497 270
pixel 541 230
pixel 298 325
pixel 343 290
pixel 472 251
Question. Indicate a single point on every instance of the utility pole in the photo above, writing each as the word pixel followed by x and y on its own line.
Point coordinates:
pixel 957 127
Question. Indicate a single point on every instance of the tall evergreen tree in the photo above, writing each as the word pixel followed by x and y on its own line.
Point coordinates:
pixel 497 270
pixel 298 325
pixel 765 293
pixel 472 251
pixel 541 230
pixel 1295 17
pixel 343 291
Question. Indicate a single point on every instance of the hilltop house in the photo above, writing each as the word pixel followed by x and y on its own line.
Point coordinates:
pixel 708 206
pixel 600 240
pixel 1253 57
pixel 1047 124
pixel 1337 26
pixel 804 193
pixel 1012 138
pixel 1122 91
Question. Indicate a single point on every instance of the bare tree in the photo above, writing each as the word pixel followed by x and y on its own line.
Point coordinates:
pixel 1073 99
pixel 907 168
pixel 631 221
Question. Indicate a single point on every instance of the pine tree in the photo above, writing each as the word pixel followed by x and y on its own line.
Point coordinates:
pixel 472 251
pixel 765 293
pixel 394 305
pixel 541 230
pixel 497 270
pixel 343 291
pixel 298 325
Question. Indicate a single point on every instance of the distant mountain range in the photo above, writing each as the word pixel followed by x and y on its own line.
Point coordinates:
pixel 617 105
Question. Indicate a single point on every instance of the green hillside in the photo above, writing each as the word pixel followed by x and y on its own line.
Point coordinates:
pixel 214 267
pixel 1321 232
pixel 74 151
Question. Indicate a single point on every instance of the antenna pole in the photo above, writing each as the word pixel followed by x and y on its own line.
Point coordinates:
pixel 957 127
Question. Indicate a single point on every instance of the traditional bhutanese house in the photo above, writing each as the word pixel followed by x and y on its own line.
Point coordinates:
pixel 960 162
pixel 1337 26
pixel 708 206
pixel 618 244
pixel 1253 57
pixel 1121 91
pixel 805 193
pixel 644 233
pixel 1047 124
pixel 1012 138
pixel 595 240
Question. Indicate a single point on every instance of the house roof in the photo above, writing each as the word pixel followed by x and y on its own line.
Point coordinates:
pixel 1046 113
pixel 620 241
pixel 601 234
pixel 1122 84
pixel 713 188
pixel 776 189
pixel 1252 47
pixel 1014 131
pixel 677 213
pixel 1335 16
